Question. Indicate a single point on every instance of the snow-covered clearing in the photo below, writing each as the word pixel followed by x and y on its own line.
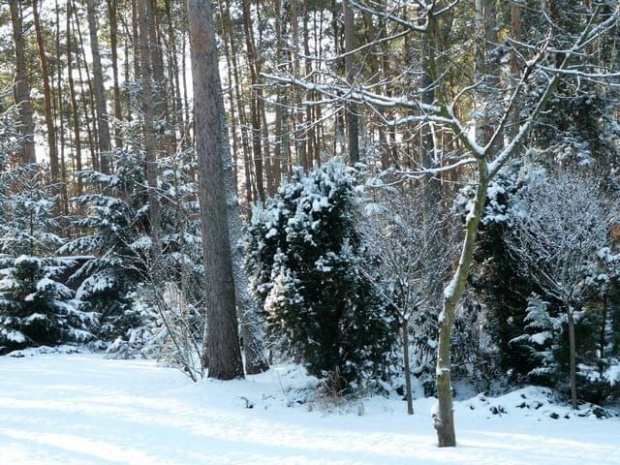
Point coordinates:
pixel 84 409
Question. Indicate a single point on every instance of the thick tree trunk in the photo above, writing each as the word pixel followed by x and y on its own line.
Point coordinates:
pixel 221 350
pixel 22 85
pixel 253 347
pixel 281 150
pixel 103 125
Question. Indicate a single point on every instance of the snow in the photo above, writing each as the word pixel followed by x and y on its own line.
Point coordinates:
pixel 83 409
pixel 12 335
pixel 613 374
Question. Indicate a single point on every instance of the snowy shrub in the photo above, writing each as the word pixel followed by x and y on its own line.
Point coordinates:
pixel 305 259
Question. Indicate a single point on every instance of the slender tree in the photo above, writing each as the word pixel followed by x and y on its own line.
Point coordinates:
pixel 103 125
pixel 352 118
pixel 48 95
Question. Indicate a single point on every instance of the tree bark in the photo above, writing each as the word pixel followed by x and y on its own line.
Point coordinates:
pixel 515 66
pixel 300 133
pixel 22 85
pixel 77 142
pixel 352 112
pixel 89 107
pixel 48 97
pixel 221 350
pixel 145 19
pixel 572 347
pixel 174 72
pixel 60 115
pixel 444 417
pixel 118 114
pixel 105 146
pixel 405 329
pixel 254 101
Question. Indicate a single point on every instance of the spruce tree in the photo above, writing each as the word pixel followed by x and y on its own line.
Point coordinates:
pixel 35 306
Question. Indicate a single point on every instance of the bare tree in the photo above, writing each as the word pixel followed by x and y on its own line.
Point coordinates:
pixel 221 343
pixel 558 228
pixel 405 235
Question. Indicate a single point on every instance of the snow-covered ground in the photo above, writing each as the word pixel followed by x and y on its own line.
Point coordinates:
pixel 84 409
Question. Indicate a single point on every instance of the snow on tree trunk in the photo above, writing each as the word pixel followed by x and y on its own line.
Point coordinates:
pixel 444 417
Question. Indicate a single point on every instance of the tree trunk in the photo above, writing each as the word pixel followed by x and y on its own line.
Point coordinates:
pixel 253 346
pixel 405 329
pixel 515 66
pixel 22 85
pixel 60 115
pixel 221 351
pixel 137 72
pixel 310 137
pixel 300 133
pixel 443 418
pixel 89 107
pixel 254 104
pixel 572 355
pixel 486 71
pixel 48 97
pixel 281 149
pixel 352 116
pixel 245 144
pixel 174 72
pixel 105 146
pixel 77 142
pixel 118 114
pixel 145 18
pixel 160 100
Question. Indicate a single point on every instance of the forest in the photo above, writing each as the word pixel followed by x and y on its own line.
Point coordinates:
pixel 398 196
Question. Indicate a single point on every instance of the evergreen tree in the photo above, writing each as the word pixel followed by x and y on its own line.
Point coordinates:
pixel 35 306
pixel 541 339
pixel 305 258
pixel 119 244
